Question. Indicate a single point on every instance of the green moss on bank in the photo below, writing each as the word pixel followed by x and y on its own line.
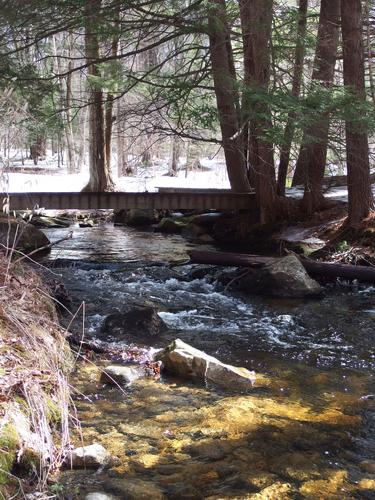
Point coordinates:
pixel 9 443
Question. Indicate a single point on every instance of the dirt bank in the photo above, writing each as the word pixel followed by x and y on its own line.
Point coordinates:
pixel 34 392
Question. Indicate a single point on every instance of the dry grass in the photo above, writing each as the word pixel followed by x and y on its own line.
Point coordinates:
pixel 34 362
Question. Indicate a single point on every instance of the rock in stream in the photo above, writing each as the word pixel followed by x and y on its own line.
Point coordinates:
pixel 184 360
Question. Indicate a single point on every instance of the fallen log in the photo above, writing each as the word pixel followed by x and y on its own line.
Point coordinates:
pixel 364 274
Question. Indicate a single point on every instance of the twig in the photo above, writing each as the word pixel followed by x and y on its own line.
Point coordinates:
pixel 233 280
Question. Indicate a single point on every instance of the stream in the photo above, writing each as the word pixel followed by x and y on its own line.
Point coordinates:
pixel 306 430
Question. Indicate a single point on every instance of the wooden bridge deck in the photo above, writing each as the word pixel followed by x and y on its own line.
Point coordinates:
pixel 200 200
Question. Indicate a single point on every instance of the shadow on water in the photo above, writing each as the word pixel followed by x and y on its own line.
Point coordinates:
pixel 306 430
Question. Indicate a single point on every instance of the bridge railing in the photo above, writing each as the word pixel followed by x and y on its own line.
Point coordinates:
pixel 192 200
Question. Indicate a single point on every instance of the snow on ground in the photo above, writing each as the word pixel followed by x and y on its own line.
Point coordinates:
pixel 214 175
pixel 339 193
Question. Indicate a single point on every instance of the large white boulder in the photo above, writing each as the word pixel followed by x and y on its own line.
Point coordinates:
pixel 184 360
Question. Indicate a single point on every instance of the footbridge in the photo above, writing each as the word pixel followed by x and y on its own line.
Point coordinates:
pixel 167 199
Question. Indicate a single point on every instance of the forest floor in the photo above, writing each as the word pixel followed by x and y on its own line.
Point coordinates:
pixel 35 360
pixel 333 240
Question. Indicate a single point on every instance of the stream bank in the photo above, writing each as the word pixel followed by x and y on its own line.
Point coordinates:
pixel 35 360
pixel 305 431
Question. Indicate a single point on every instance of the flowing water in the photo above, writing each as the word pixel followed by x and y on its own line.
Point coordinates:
pixel 306 430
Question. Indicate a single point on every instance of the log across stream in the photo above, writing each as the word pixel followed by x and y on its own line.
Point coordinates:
pixel 365 274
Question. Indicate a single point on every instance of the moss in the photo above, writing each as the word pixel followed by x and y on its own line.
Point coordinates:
pixel 30 460
pixel 8 451
pixel 53 411
pixel 22 403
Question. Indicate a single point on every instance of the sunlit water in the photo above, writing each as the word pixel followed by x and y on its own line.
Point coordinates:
pixel 306 429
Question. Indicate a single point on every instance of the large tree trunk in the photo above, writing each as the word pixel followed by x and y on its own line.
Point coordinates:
pixel 313 153
pixel 357 149
pixel 256 21
pixel 296 89
pixel 369 42
pixel 226 95
pixel 100 177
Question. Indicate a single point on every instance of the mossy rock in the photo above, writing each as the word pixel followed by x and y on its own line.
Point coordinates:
pixel 24 237
pixel 9 443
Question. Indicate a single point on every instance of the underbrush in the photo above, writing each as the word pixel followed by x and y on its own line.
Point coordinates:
pixel 35 360
pixel 349 245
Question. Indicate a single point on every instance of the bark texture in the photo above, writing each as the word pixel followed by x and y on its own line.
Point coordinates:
pixel 313 153
pixel 175 156
pixel 256 21
pixel 226 95
pixel 357 148
pixel 100 177
pixel 296 89
pixel 109 118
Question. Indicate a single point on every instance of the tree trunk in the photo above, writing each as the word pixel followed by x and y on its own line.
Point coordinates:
pixel 175 156
pixel 357 148
pixel 110 97
pixel 256 21
pixel 369 49
pixel 296 89
pixel 123 168
pixel 100 177
pixel 69 134
pixel 313 153
pixel 38 150
pixel 226 95
pixel 66 97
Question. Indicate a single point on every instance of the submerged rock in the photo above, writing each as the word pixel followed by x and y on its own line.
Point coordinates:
pixel 139 321
pixel 285 278
pixel 92 457
pixel 186 361
pixel 23 236
pixel 117 374
pixel 133 489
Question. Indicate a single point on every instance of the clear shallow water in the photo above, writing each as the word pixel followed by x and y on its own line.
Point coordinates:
pixel 108 243
pixel 305 433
